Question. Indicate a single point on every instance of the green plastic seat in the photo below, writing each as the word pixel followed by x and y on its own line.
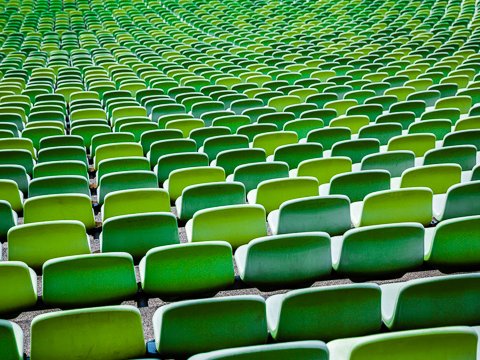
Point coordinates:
pixel 49 185
pixel 439 128
pixel 10 192
pixel 395 162
pixel 117 150
pixel 327 137
pixel 437 177
pixel 394 206
pixel 452 244
pixel 60 168
pixel 208 324
pixel 125 180
pixel 236 224
pixel 392 249
pixel 462 103
pixel 319 313
pixel 117 165
pixel 446 113
pixel 230 159
pixel 356 149
pixel 91 332
pixel 251 175
pixel 431 302
pixel 418 143
pixel 272 193
pixel 404 118
pixel 285 260
pixel 357 185
pixel 203 196
pixel 8 219
pixel 61 140
pixel 36 243
pixel 86 280
pixel 161 276
pixel 11 342
pixel 214 145
pixel 135 201
pixel 447 342
pixel 463 155
pixel 109 138
pixel 303 126
pixel 464 137
pixel 353 122
pixel 136 234
pixel 61 154
pixel 166 147
pixel 19 290
pixel 301 350
pixel 460 200
pixel 272 140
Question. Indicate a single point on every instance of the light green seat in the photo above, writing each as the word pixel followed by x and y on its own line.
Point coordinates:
pixel 395 162
pixel 394 206
pixel 61 168
pixel 36 243
pixel 326 313
pixel 285 260
pixel 179 179
pixel 9 192
pixel 453 244
pixel 49 185
pixel 117 165
pixel 418 143
pixel 378 250
pixel 204 196
pixel 300 350
pixel 431 302
pixel 18 286
pixel 207 268
pixel 11 341
pixel 137 233
pixel 18 144
pixel 189 327
pixel 353 122
pixel 59 207
pixel 324 169
pixel 272 193
pixel 236 224
pixel 125 180
pixel 438 177
pixel 117 150
pixel 88 333
pixel 135 201
pixel 462 103
pixel 86 280
pixel 461 200
pixel 470 123
pixel 272 140
pixel 458 342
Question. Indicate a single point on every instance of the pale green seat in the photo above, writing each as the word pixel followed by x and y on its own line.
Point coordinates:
pixel 458 342
pixel 462 103
pixel 379 250
pixel 59 207
pixel 394 206
pixel 116 150
pixel 470 123
pixel 395 162
pixel 11 341
pixel 18 286
pixel 18 144
pixel 63 184
pixel 137 233
pixel 461 200
pixel 325 313
pixel 125 180
pixel 431 302
pixel 437 177
pixel 135 201
pixel 9 192
pixel 353 122
pixel 330 214
pixel 179 179
pixel 419 144
pixel 236 224
pixel 204 196
pixel 36 243
pixel 323 169
pixel 272 193
pixel 88 333
pixel 272 140
pixel 253 174
pixel 453 244
pixel 61 168
pixel 300 350
pixel 207 268
pixel 285 260
pixel 189 327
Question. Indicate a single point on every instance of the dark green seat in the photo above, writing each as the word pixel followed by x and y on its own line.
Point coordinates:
pixel 230 159
pixel 49 185
pixel 251 175
pixel 395 162
pixel 357 185
pixel 294 154
pixel 285 260
pixel 11 341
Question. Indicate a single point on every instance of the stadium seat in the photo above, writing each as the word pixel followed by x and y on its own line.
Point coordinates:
pixel 251 175
pixel 8 219
pixel 11 340
pixel 189 327
pixel 18 288
pixel 460 200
